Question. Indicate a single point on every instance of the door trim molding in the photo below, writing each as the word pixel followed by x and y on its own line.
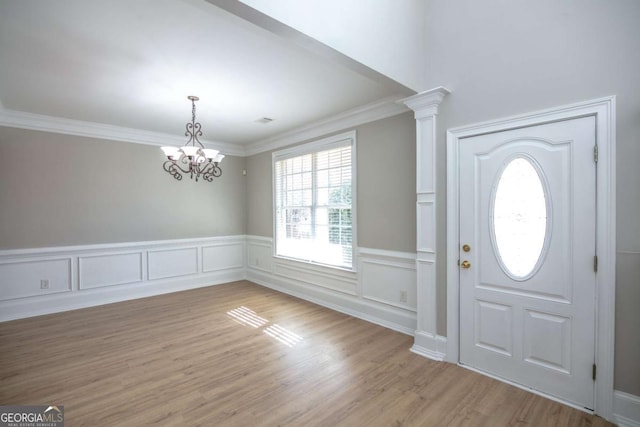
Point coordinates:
pixel 603 110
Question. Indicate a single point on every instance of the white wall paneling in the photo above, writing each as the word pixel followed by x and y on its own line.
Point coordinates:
pixel 222 256
pixel 113 272
pixel 259 254
pixel 388 277
pixel 626 409
pixel 20 278
pixel 425 107
pixel 95 271
pixel 325 277
pixel 172 262
pixel 374 293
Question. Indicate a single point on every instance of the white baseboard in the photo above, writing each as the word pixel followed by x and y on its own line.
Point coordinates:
pixel 626 409
pixel 431 346
pixel 85 276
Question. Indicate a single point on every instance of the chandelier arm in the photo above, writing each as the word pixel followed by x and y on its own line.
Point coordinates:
pixel 176 165
pixel 172 169
pixel 211 173
pixel 184 159
pixel 202 168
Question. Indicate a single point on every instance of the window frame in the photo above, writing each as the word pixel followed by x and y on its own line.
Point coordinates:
pixel 328 143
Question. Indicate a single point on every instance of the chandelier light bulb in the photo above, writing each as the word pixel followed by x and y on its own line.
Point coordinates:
pixel 190 151
pixel 210 153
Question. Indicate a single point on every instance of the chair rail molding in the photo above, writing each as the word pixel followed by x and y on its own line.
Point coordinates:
pixel 425 106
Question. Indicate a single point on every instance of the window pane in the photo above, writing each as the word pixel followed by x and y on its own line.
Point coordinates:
pixel 322 216
pixel 322 196
pixel 323 178
pixel 345 217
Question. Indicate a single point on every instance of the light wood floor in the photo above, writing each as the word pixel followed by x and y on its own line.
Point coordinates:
pixel 242 355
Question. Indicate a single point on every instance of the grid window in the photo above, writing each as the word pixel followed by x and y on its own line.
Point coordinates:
pixel 314 203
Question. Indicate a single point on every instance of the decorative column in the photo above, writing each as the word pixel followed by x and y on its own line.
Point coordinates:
pixel 425 106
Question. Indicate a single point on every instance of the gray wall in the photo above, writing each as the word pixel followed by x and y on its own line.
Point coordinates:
pixel 259 195
pixel 386 186
pixel 502 58
pixel 58 190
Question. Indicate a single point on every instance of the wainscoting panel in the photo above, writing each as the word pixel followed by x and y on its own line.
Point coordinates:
pixel 172 262
pixel 626 409
pixel 324 277
pixel 388 277
pixel 113 272
pixel 20 278
pixel 222 256
pixel 375 292
pixel 95 271
pixel 259 254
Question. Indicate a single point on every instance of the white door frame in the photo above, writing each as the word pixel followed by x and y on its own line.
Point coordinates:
pixel 604 112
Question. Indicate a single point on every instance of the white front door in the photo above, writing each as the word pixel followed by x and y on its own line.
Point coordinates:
pixel 527 247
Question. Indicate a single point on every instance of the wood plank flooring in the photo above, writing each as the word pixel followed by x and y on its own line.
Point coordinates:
pixel 242 355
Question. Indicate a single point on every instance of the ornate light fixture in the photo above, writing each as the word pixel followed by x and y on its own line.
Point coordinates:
pixel 193 159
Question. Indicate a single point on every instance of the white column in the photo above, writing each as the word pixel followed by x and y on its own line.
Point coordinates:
pixel 425 106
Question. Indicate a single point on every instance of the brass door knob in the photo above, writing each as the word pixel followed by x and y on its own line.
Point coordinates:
pixel 465 264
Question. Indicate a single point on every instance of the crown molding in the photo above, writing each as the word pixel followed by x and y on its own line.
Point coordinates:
pixel 44 123
pixel 381 109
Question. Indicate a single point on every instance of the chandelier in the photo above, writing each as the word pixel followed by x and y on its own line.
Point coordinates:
pixel 192 159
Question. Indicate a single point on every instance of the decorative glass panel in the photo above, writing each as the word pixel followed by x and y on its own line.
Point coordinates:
pixel 519 218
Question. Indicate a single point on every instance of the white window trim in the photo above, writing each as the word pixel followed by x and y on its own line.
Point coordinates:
pixel 311 147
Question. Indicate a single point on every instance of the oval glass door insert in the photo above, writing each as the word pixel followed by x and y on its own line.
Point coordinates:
pixel 519 219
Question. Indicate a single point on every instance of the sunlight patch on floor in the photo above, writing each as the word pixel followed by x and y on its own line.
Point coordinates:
pixel 283 335
pixel 246 316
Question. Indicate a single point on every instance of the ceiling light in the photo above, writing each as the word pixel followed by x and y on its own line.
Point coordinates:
pixel 193 159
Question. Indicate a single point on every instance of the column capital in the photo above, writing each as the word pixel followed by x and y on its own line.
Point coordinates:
pixel 426 103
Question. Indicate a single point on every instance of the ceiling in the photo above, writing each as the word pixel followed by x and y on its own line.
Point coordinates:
pixel 132 64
